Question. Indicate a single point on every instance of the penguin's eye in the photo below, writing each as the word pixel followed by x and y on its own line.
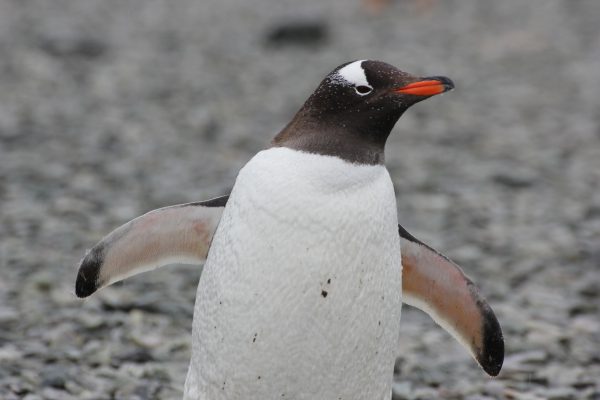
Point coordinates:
pixel 363 90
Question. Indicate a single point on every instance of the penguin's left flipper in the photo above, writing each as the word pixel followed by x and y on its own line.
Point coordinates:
pixel 433 283
pixel 176 234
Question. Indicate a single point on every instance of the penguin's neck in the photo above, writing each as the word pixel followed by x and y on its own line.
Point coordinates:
pixel 341 136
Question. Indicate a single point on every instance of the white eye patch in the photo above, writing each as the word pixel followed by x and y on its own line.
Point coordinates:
pixel 354 74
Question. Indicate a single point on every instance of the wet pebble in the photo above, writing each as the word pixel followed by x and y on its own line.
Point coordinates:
pixel 103 118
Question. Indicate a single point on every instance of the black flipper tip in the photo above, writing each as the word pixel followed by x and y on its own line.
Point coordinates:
pixel 491 356
pixel 89 271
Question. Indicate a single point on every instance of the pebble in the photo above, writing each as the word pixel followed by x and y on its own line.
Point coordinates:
pixel 104 117
pixel 561 393
pixel 402 391
pixel 8 315
pixel 307 32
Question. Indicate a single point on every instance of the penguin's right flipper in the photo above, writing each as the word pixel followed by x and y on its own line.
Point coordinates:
pixel 433 283
pixel 176 234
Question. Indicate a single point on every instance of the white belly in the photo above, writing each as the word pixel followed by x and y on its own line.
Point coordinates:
pixel 300 297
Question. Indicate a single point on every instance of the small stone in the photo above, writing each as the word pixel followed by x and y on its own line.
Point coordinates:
pixel 297 32
pixel 9 353
pixel 480 397
pixel 402 391
pixel 519 361
pixel 515 179
pixel 562 393
pixel 8 315
pixel 494 388
pixel 426 394
pixel 54 377
pixel 50 393
pixel 32 396
pixel 146 391
pixel 72 46
pixel 91 321
pixel 138 356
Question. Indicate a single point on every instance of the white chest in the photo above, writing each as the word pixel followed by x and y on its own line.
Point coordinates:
pixel 301 293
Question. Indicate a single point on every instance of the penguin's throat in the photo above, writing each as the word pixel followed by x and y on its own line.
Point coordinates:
pixel 352 142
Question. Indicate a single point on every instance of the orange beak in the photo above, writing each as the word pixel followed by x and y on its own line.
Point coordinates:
pixel 427 87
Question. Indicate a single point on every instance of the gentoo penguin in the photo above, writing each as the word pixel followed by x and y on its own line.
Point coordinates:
pixel 306 266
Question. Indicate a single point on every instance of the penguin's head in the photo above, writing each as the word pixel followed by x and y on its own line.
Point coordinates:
pixel 365 83
pixel 355 108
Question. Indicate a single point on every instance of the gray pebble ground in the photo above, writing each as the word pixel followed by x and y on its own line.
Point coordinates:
pixel 110 108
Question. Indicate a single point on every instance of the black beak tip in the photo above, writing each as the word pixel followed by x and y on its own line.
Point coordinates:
pixel 444 80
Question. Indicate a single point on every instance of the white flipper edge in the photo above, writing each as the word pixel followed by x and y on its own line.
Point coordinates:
pixel 176 234
pixel 434 284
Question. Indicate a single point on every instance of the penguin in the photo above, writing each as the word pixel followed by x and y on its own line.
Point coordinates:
pixel 306 266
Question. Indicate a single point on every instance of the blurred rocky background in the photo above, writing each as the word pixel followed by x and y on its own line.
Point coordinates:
pixel 111 108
